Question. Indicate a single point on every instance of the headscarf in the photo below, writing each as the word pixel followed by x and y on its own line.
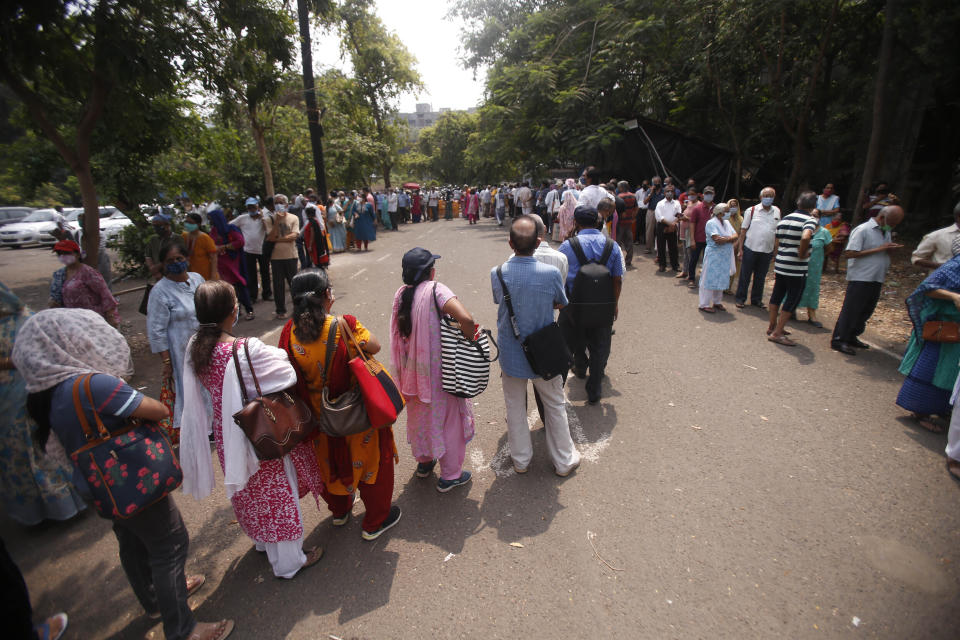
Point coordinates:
pixel 565 217
pixel 57 344
pixel 10 304
pixel 946 277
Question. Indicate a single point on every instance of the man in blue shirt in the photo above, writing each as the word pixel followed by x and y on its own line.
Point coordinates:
pixel 589 346
pixel 535 290
pixel 403 206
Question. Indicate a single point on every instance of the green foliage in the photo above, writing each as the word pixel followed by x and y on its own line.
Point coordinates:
pixel 131 244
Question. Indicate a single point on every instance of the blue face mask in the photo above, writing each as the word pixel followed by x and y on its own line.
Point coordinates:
pixel 766 202
pixel 190 226
pixel 708 197
pixel 726 216
pixel 175 268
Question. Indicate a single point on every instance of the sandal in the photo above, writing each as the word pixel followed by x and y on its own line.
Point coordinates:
pixel 784 340
pixel 313 557
pixel 953 468
pixel 691 285
pixel 925 422
pixel 719 307
pixel 52 628
pixel 816 323
pixel 708 309
pixel 741 305
pixel 249 316
pixel 212 630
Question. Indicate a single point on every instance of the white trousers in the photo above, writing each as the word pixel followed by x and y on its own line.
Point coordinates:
pixel 563 453
pixel 953 436
pixel 710 297
pixel 286 557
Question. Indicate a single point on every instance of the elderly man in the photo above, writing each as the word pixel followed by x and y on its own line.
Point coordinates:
pixel 590 346
pixel 393 203
pixel 667 216
pixel 534 290
pixel 758 234
pixel 937 247
pixel 282 230
pixel 251 226
pixel 794 233
pixel 651 198
pixel 868 259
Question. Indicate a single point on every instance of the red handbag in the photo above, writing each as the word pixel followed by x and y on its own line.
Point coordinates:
pixel 382 398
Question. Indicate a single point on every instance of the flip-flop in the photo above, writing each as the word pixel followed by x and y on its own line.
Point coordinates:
pixel 740 305
pixel 928 424
pixel 816 323
pixel 784 340
pixel 43 629
pixel 221 630
pixel 719 307
pixel 708 309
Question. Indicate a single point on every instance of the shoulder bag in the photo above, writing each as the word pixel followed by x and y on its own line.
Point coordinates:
pixel 941 331
pixel 345 415
pixel 127 470
pixel 545 348
pixel 464 364
pixel 382 398
pixel 275 422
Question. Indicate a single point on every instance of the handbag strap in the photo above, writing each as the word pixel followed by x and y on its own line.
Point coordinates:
pixel 331 349
pixel 246 351
pixel 236 363
pixel 436 304
pixel 81 414
pixel 345 328
pixel 506 298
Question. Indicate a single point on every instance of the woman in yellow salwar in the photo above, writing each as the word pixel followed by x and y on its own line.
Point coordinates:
pixel 362 462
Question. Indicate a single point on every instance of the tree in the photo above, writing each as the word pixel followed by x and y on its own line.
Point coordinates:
pixel 383 68
pixel 247 50
pixel 89 71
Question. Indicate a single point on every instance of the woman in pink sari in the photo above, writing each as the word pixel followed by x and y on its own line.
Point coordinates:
pixel 439 425
pixel 567 207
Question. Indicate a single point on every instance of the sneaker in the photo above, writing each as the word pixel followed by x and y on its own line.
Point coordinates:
pixel 424 469
pixel 345 518
pixel 568 471
pixel 445 485
pixel 249 316
pixel 392 519
pixel 520 471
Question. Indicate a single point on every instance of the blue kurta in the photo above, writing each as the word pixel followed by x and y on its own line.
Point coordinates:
pixel 171 321
pixel 363 228
pixel 337 232
pixel 718 264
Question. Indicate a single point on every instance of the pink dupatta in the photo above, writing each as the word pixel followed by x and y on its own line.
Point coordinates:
pixel 413 361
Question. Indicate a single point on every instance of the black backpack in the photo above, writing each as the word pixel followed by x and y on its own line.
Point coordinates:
pixel 592 301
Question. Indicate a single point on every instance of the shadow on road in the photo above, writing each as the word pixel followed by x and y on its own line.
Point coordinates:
pixel 444 520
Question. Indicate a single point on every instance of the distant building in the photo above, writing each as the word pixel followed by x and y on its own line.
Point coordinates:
pixel 424 117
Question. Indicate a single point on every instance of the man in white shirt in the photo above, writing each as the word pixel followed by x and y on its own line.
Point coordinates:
pixel 552 203
pixel 937 247
pixel 593 193
pixel 525 198
pixel 666 214
pixel 501 204
pixel 433 203
pixel 755 248
pixel 251 226
pixel 638 227
pixel 485 199
pixel 392 202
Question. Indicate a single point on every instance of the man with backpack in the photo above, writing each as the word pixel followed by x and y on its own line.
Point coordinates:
pixel 594 280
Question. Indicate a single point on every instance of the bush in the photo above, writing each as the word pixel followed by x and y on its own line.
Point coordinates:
pixel 132 243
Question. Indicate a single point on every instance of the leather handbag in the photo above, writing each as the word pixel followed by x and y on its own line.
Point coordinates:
pixel 464 364
pixel 345 415
pixel 275 422
pixel 545 349
pixel 382 398
pixel 941 331
pixel 128 469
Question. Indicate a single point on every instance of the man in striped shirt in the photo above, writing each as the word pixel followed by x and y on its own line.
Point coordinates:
pixel 790 267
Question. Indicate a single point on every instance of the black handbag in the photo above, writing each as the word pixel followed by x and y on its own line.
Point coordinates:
pixel 545 348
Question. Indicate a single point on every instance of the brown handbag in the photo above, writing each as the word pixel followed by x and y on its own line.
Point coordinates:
pixel 941 331
pixel 345 415
pixel 275 422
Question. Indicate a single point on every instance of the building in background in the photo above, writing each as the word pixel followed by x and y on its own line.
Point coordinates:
pixel 423 117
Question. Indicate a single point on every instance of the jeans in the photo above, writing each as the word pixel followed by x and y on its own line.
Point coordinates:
pixel 754 264
pixel 858 305
pixel 302 253
pixel 153 552
pixel 255 261
pixel 667 241
pixel 590 349
pixel 283 272
pixel 693 257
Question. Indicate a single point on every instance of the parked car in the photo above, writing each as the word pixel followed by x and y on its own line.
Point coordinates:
pixel 112 220
pixel 34 228
pixel 14 214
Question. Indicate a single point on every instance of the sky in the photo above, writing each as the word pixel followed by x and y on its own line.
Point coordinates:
pixel 434 41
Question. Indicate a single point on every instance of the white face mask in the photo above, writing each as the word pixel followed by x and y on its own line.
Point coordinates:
pixel 67 259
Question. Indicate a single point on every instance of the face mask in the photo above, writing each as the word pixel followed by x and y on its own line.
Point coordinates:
pixel 281 208
pixel 886 228
pixel 177 267
pixel 191 226
pixel 708 197
pixel 236 317
pixel 582 180
pixel 691 198
pixel 726 216
pixel 67 259
pixel 766 202
pixel 668 196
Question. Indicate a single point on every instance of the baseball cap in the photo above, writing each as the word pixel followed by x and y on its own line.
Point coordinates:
pixel 251 200
pixel 586 215
pixel 415 262
pixel 160 218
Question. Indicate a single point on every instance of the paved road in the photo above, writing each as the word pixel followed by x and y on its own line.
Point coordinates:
pixel 730 488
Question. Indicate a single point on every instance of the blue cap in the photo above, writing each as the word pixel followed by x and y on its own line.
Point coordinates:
pixel 251 200
pixel 415 262
pixel 160 218
pixel 586 215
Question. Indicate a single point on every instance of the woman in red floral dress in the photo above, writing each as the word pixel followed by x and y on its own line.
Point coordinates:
pixel 265 493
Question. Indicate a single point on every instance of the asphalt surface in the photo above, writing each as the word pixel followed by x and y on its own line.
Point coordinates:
pixel 731 488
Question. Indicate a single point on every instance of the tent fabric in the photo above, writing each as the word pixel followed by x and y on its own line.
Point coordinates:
pixel 644 152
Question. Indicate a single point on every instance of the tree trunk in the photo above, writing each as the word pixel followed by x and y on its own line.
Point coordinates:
pixel 876 131
pixel 91 212
pixel 386 176
pixel 310 96
pixel 262 152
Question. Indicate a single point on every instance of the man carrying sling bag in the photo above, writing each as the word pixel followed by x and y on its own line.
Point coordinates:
pixel 532 349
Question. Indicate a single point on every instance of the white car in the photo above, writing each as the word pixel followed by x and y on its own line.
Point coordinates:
pixel 35 228
pixel 112 220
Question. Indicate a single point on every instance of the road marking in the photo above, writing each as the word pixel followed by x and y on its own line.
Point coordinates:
pixel 885 352
pixel 357 273
pixel 382 258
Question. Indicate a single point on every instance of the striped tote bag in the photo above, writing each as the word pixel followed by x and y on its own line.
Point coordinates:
pixel 464 364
